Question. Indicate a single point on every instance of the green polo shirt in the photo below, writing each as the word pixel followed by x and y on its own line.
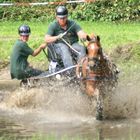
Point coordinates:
pixel 72 27
pixel 18 60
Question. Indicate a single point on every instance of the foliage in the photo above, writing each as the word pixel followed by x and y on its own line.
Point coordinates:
pixel 105 10
pixel 27 13
pixel 108 10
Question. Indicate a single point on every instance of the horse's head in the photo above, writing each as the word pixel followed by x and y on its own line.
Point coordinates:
pixel 94 51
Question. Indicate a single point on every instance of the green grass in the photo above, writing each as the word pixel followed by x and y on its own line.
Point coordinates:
pixel 114 34
pixel 111 34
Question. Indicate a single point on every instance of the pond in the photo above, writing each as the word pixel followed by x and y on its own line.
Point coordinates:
pixel 65 111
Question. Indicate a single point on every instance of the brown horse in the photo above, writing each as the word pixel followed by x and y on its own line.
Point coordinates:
pixel 96 72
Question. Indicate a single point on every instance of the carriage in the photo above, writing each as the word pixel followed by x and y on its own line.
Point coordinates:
pixel 95 73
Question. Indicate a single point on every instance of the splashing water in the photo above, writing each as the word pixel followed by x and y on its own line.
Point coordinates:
pixel 64 98
pixel 56 98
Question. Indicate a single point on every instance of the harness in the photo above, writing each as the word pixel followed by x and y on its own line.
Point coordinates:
pixel 99 70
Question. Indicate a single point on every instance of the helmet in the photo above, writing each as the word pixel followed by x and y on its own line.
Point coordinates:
pixel 61 11
pixel 24 30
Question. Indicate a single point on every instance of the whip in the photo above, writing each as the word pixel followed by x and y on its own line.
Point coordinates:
pixel 70 46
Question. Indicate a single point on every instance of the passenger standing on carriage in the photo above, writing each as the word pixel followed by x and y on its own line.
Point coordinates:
pixel 70 31
pixel 19 67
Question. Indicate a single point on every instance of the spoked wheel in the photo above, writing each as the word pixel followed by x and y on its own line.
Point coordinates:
pixel 99 106
pixel 26 83
pixel 29 83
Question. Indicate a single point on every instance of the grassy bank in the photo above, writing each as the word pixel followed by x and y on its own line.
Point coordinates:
pixel 112 35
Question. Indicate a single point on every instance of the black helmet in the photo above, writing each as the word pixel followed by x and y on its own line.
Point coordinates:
pixel 61 11
pixel 24 30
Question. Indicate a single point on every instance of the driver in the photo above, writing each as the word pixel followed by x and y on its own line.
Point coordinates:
pixel 62 29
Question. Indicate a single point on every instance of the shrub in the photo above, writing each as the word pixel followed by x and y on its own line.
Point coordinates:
pixel 105 10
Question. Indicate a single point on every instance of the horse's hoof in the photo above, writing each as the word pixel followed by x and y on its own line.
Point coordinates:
pixel 99 117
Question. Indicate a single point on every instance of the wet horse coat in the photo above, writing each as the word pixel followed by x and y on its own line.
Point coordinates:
pixel 94 69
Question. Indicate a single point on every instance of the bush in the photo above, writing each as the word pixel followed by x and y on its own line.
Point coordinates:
pixel 105 10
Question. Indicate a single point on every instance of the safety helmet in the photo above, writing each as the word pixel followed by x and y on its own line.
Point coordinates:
pixel 24 30
pixel 61 11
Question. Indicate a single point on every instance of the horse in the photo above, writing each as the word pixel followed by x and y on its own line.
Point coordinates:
pixel 97 73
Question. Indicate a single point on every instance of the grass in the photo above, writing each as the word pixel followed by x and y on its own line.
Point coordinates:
pixel 114 34
pixel 111 34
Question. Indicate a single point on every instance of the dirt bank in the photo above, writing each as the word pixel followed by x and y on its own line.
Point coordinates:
pixel 3 64
pixel 125 53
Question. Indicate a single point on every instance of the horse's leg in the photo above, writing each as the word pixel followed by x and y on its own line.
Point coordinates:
pixel 90 88
pixel 99 105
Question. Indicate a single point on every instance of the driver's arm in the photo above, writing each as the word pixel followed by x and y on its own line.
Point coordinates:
pixel 50 39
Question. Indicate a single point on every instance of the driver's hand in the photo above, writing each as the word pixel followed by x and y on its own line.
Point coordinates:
pixel 83 39
pixel 61 35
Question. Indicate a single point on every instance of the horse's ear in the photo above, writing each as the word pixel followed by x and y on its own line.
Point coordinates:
pixel 98 38
pixel 88 38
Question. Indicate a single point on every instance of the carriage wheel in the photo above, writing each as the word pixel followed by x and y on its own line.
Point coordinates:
pixel 27 83
pixel 99 106
pixel 23 83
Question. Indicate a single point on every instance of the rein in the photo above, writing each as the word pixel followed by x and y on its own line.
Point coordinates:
pixel 100 71
pixel 96 67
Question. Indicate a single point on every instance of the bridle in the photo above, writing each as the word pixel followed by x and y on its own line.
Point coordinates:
pixel 93 62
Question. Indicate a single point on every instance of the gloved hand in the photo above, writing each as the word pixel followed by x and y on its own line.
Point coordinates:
pixel 61 35
pixel 83 39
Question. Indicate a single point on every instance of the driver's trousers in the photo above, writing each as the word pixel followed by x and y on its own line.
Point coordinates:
pixel 65 52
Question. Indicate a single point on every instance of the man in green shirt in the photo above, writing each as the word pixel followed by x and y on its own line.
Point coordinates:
pixel 19 66
pixel 62 32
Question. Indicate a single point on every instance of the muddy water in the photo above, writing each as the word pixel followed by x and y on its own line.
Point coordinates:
pixel 61 109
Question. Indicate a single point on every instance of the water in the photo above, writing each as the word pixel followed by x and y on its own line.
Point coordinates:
pixel 61 109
